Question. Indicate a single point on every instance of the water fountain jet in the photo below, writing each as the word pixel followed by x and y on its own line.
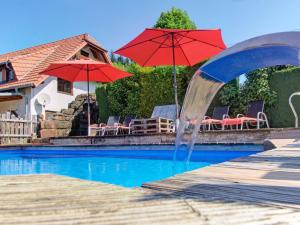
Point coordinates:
pixel 256 53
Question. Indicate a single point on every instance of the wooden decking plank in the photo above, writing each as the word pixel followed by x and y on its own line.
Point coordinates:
pixel 227 183
pixel 226 193
pixel 234 193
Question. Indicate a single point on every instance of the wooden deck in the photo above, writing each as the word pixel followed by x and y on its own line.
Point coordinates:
pixel 262 189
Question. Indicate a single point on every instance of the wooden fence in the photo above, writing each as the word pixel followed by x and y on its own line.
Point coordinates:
pixel 14 130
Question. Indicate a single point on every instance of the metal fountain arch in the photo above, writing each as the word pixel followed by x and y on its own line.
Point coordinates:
pixel 256 53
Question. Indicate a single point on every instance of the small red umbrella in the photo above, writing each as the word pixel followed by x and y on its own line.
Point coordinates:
pixel 85 70
pixel 162 47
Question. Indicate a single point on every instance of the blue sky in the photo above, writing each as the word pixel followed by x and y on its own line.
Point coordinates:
pixel 115 22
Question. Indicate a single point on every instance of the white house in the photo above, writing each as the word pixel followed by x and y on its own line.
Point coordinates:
pixel 21 84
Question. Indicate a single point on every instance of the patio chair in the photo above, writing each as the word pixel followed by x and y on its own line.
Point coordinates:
pixel 219 114
pixel 102 128
pixel 167 112
pixel 125 127
pixel 254 116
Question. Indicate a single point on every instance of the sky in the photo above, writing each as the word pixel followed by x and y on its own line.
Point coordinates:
pixel 115 22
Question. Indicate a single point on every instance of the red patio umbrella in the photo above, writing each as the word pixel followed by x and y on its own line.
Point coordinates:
pixel 85 70
pixel 163 47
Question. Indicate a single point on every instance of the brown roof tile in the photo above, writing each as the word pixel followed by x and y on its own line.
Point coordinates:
pixel 28 62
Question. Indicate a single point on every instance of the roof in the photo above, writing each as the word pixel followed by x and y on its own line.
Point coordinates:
pixel 28 63
pixel 8 96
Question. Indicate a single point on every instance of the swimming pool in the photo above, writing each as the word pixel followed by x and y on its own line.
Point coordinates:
pixel 129 168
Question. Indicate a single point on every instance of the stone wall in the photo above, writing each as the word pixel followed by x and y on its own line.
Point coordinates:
pixel 71 121
pixel 253 136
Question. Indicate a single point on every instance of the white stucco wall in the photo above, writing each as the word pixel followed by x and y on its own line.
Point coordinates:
pixel 58 100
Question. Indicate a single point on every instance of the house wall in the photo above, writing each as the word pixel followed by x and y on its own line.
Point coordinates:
pixel 58 100
pixel 18 105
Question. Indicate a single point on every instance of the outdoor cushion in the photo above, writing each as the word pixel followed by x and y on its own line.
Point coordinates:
pixel 208 121
pixel 232 121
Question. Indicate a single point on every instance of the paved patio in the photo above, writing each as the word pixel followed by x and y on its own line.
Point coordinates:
pixel 260 189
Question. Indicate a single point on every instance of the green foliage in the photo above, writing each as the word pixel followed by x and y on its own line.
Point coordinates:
pixel 257 87
pixel 102 99
pixel 284 83
pixel 137 95
pixel 124 94
pixel 157 88
pixel 120 60
pixel 230 95
pixel 113 57
pixel 175 19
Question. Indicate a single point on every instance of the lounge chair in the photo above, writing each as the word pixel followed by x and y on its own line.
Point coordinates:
pixel 103 128
pixel 167 112
pixel 162 120
pixel 219 114
pixel 254 116
pixel 125 127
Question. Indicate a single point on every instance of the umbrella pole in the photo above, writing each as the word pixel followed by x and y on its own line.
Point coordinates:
pixel 175 81
pixel 88 90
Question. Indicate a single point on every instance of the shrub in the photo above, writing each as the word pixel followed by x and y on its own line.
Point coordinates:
pixel 284 83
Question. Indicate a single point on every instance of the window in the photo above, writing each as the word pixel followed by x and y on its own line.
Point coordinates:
pixel 10 75
pixel 64 86
pixel 6 74
pixel 98 55
pixel 1 76
pixel 84 53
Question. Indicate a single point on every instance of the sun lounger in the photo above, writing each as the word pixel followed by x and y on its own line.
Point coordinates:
pixel 112 123
pixel 124 128
pixel 103 128
pixel 166 112
pixel 161 121
pixel 254 116
pixel 219 114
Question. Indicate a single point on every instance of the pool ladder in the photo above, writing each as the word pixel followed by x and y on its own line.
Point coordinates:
pixel 293 108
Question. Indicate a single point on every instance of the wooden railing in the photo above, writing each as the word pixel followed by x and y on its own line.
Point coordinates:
pixel 15 130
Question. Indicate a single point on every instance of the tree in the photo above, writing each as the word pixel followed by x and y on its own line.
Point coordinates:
pixel 175 19
pixel 256 87
pixel 157 88
pixel 113 57
pixel 103 104
pixel 230 95
pixel 124 94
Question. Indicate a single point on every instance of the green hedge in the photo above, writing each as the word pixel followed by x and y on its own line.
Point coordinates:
pixel 102 100
pixel 284 83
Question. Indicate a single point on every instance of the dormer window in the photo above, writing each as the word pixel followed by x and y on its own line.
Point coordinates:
pixel 89 52
pixel 84 53
pixel 1 76
pixel 10 75
pixel 6 73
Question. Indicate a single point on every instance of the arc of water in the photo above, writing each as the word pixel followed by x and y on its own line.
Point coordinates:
pixel 200 92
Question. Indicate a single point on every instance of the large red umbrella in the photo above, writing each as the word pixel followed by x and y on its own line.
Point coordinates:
pixel 162 47
pixel 85 70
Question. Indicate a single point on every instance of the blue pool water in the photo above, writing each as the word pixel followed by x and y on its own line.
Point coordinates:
pixel 129 168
